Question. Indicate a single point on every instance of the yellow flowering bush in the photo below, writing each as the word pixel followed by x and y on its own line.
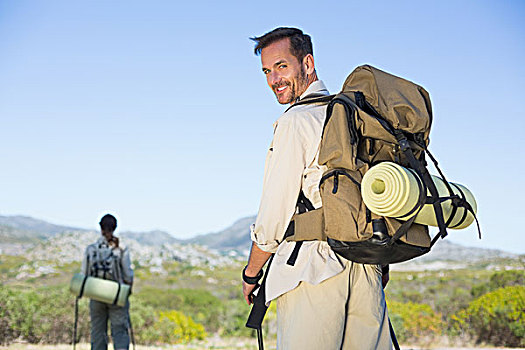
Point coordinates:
pixel 414 321
pixel 497 317
pixel 178 328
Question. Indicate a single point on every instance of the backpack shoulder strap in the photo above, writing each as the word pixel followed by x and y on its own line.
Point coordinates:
pixel 312 98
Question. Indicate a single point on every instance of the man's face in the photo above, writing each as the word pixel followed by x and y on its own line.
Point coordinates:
pixel 285 75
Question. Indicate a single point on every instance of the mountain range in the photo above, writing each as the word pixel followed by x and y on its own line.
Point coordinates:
pixel 20 234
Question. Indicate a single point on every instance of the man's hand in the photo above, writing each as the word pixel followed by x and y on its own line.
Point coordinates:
pixel 247 290
pixel 256 262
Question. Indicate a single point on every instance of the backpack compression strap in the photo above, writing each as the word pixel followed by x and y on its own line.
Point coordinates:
pixel 420 169
pixel 425 176
pixel 117 294
pixel 456 200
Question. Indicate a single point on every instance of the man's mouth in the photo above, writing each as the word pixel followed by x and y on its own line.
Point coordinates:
pixel 281 89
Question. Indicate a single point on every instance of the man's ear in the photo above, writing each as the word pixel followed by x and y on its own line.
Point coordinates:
pixel 308 63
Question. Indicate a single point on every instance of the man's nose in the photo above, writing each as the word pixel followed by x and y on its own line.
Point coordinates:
pixel 273 78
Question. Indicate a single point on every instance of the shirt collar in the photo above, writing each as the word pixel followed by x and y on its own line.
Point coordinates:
pixel 317 87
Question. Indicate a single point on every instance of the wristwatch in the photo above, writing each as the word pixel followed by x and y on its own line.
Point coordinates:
pixel 251 280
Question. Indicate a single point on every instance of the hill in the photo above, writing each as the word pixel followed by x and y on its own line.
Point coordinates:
pixel 25 231
pixel 22 234
pixel 444 255
pixel 17 233
pixel 449 255
pixel 35 226
pixel 150 238
pixel 235 237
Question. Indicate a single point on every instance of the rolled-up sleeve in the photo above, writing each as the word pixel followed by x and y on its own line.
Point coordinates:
pixel 285 164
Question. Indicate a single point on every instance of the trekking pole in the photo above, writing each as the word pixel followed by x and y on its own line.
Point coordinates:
pixel 132 335
pixel 393 335
pixel 76 321
pixel 260 338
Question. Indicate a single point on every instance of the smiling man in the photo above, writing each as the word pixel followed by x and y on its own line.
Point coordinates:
pixel 323 301
pixel 286 75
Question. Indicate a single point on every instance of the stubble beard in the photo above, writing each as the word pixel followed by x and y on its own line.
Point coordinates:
pixel 295 90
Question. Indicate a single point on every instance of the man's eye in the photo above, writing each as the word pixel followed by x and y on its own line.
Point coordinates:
pixel 282 66
pixel 266 72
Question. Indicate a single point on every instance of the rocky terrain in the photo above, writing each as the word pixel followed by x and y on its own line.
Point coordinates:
pixel 68 247
pixel 200 277
pixel 47 247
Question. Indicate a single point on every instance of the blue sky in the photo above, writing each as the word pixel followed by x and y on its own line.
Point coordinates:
pixel 158 111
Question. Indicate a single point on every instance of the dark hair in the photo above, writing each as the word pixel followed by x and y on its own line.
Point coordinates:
pixel 108 223
pixel 300 43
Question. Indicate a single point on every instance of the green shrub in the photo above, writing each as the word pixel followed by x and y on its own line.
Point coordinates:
pixel 201 305
pixel 456 299
pixel 413 321
pixel 7 333
pixel 234 319
pixel 143 318
pixel 499 280
pixel 497 318
pixel 46 315
pixel 43 316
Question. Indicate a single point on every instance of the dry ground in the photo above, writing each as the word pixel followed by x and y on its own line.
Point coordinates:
pixel 212 343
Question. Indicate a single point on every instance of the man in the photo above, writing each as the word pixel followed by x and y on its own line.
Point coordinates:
pixel 106 259
pixel 323 301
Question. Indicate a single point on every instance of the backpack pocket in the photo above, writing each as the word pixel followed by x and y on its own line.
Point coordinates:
pixel 345 214
pixel 339 143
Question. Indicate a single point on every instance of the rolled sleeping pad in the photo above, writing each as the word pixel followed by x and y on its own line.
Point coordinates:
pixel 99 289
pixel 390 190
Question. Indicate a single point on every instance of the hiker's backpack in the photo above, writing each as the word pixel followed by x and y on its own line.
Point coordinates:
pixel 376 117
pixel 104 262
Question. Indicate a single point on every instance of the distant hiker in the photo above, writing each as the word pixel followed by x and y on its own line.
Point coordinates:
pixel 323 301
pixel 108 260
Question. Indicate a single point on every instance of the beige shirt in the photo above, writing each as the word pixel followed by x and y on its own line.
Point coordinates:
pixel 292 165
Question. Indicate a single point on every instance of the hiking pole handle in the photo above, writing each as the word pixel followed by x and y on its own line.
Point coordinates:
pixel 258 309
pixel 257 314
pixel 252 296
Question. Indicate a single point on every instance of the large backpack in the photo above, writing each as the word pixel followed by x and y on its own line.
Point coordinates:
pixel 376 117
pixel 102 262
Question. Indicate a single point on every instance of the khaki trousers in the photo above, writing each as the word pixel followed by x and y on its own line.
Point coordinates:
pixel 347 311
